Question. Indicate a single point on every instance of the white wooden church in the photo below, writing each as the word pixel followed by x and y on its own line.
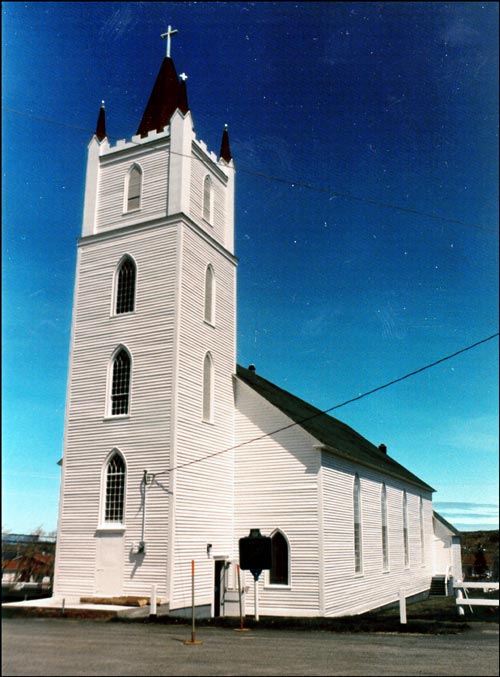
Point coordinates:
pixel 172 452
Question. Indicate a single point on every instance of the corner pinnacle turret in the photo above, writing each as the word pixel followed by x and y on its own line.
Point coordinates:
pixel 225 151
pixel 100 130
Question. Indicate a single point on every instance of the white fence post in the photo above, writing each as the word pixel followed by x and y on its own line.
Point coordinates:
pixel 402 605
pixel 152 610
pixel 461 601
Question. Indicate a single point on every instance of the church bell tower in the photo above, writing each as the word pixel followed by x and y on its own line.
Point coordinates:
pixel 150 386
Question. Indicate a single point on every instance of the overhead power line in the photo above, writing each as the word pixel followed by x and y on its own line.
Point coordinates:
pixel 289 182
pixel 377 203
pixel 327 411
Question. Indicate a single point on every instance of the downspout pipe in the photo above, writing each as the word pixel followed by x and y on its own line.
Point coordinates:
pixel 142 544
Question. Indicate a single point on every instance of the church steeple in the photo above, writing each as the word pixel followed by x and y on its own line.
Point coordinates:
pixel 100 130
pixel 163 100
pixel 167 95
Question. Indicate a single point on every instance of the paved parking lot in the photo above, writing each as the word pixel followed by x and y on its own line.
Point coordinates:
pixel 71 647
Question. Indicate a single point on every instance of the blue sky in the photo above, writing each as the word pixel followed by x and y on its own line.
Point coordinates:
pixel 350 124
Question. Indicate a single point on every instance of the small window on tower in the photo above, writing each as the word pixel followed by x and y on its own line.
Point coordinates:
pixel 115 489
pixel 120 385
pixel 134 188
pixel 125 286
pixel 208 389
pixel 207 199
pixel 210 295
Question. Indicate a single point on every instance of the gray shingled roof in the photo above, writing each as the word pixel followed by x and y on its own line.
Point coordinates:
pixel 449 526
pixel 336 436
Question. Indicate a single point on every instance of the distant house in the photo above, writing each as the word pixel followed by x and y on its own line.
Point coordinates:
pixel 27 558
pixel 36 568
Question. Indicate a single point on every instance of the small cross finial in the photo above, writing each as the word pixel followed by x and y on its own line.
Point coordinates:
pixel 170 31
pixel 183 76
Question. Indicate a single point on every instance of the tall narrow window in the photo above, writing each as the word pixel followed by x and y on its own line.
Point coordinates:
pixel 115 489
pixel 278 574
pixel 134 188
pixel 357 525
pixel 207 198
pixel 125 287
pixel 120 386
pixel 210 295
pixel 405 530
pixel 422 535
pixel 385 542
pixel 208 387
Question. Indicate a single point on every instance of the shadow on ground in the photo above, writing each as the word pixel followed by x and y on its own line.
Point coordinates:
pixel 433 616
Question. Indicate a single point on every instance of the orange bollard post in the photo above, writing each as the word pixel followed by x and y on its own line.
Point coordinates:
pixel 193 628
pixel 241 628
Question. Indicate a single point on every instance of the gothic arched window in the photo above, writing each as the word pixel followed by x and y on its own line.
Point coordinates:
pixel 120 385
pixel 207 199
pixel 125 286
pixel 115 489
pixel 385 541
pixel 210 295
pixel 134 185
pixel 406 544
pixel 208 388
pixel 279 574
pixel 357 525
pixel 422 532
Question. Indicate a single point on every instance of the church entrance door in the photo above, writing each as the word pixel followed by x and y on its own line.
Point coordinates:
pixel 109 564
pixel 219 585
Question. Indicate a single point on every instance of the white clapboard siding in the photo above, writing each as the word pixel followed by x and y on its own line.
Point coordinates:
pixel 347 592
pixel 113 171
pixel 143 438
pixel 199 170
pixel 204 490
pixel 276 488
pixel 446 551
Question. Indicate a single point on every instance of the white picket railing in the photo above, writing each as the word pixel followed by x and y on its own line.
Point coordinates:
pixel 462 587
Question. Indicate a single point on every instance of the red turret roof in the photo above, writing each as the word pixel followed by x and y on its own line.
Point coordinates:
pixel 225 151
pixel 100 130
pixel 182 102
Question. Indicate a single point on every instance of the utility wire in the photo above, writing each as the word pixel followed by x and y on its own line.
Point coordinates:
pixel 326 411
pixel 288 182
pixel 348 196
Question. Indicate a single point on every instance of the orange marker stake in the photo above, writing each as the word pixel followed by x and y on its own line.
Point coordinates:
pixel 193 629
pixel 241 628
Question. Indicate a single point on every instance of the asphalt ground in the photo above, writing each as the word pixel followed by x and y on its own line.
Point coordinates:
pixel 46 646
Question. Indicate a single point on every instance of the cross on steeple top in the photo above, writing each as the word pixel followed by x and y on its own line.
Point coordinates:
pixel 170 31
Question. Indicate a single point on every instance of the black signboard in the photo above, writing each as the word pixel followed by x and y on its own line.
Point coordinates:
pixel 255 552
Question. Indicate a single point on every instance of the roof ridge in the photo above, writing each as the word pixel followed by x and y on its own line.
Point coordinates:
pixel 317 411
pixel 330 431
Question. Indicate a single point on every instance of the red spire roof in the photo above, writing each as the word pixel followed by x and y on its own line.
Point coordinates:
pixel 225 151
pixel 100 130
pixel 163 100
